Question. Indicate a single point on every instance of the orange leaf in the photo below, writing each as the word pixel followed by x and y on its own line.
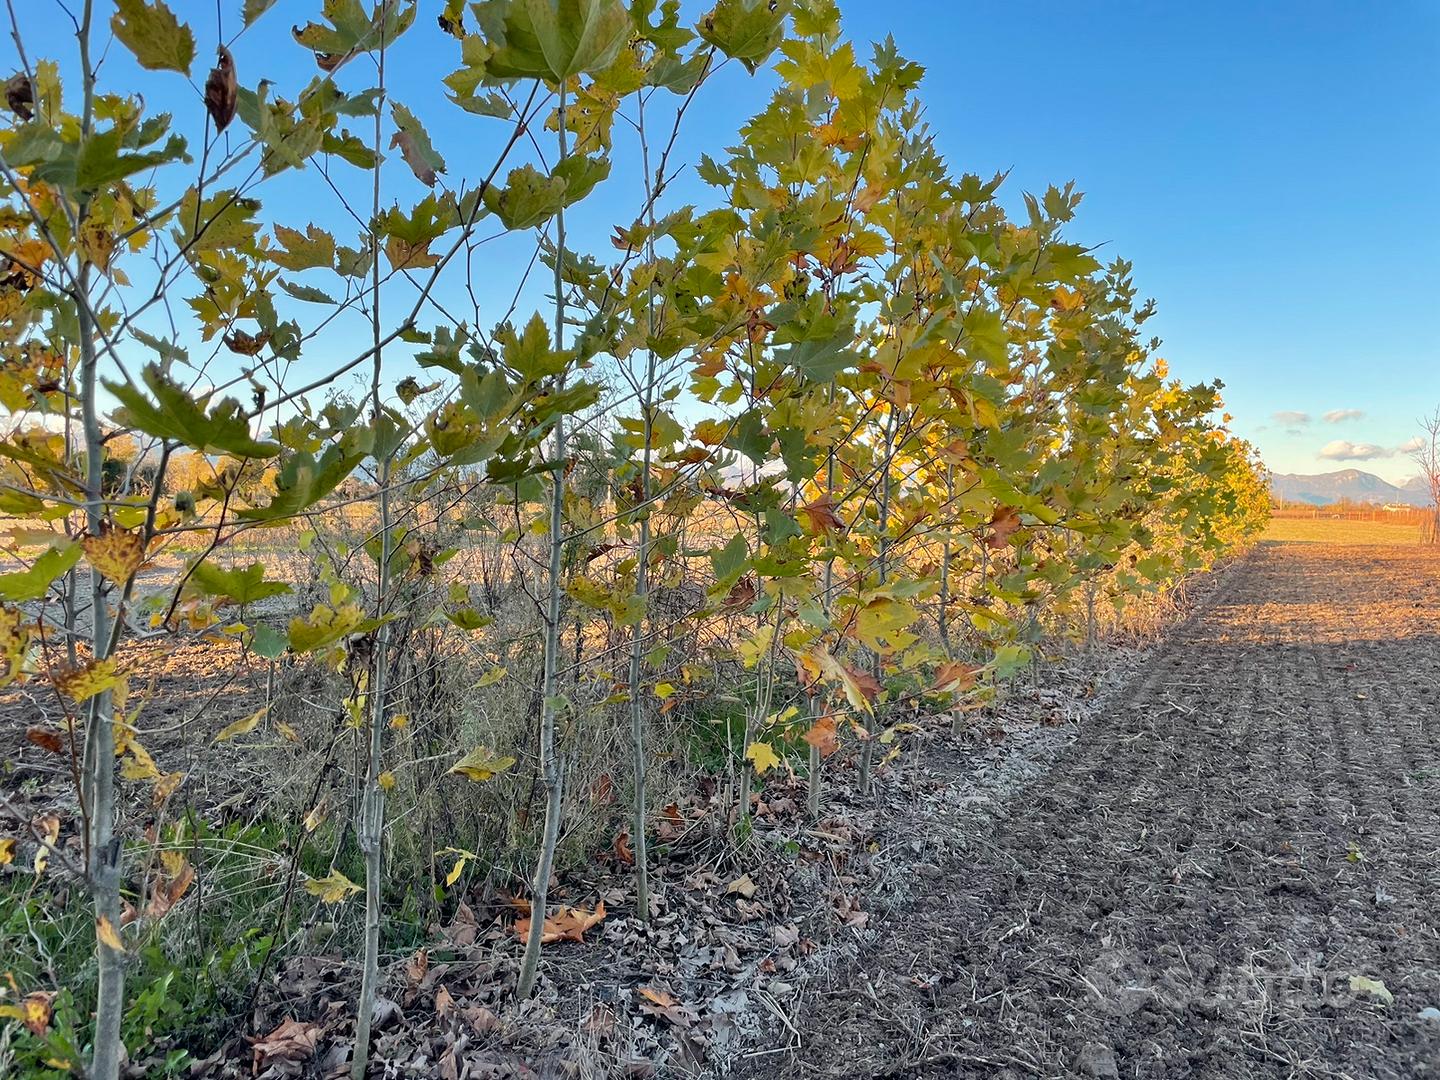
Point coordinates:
pixel 822 736
pixel 567 924
pixel 660 997
pixel 821 515
pixel 45 739
pixel 622 849
pixel 1003 524
pixel 954 676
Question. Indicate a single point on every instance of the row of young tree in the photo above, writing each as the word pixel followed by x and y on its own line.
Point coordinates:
pixel 894 438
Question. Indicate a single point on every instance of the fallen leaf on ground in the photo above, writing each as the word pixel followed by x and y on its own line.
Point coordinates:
pixel 291 1041
pixel 567 924
pixel 662 1003
pixel 741 886
pixel 1371 988
pixel 444 1002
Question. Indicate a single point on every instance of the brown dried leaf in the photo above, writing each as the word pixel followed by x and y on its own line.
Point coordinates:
pixel 444 1002
pixel 742 886
pixel 292 1040
pixel 20 95
pixel 221 90
pixel 45 739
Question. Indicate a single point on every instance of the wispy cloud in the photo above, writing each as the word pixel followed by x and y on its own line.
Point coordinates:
pixel 1345 450
pixel 1409 446
pixel 1339 416
pixel 1291 419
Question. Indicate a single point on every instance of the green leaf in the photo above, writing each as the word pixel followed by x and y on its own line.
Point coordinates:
pixel 223 221
pixel 414 144
pixel 821 361
pixel 746 30
pixel 729 561
pixel 167 350
pixel 552 39
pixel 159 41
pixel 528 198
pixel 254 9
pixel 174 414
pixel 308 293
pixel 304 481
pixel 351 30
pixel 269 642
pixel 581 174
pixel 101 162
pixel 325 626
pixel 303 251
pixel 24 585
pixel 244 586
pixel 349 148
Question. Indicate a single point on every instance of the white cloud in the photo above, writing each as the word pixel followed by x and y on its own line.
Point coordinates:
pixel 1345 450
pixel 1339 416
pixel 1409 446
pixel 1286 418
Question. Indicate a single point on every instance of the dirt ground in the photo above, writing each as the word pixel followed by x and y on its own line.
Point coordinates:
pixel 1192 885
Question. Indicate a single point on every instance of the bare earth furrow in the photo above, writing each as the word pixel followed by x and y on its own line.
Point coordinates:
pixel 1191 887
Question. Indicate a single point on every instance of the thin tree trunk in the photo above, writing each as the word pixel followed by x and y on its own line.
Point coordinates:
pixel 103 849
pixel 867 750
pixel 946 557
pixel 371 826
pixel 551 770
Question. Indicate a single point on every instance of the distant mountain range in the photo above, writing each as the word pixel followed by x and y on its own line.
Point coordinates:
pixel 1352 484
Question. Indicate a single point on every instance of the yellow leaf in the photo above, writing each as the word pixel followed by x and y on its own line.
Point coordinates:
pixel 752 648
pixel 7 850
pixel 107 934
pixel 491 677
pixel 334 888
pixel 386 780
pixel 139 765
pixel 664 690
pixel 481 764
pixel 399 721
pixel 166 786
pixel 48 829
pixel 456 871
pixel 242 727
pixel 116 553
pixel 762 756
pixel 33 1012
pixel 14 640
pixel 286 731
pixel 83 683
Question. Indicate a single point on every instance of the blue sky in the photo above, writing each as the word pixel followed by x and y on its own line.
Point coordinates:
pixel 1272 169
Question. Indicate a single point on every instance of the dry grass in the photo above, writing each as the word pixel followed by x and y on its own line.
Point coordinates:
pixel 1338 531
